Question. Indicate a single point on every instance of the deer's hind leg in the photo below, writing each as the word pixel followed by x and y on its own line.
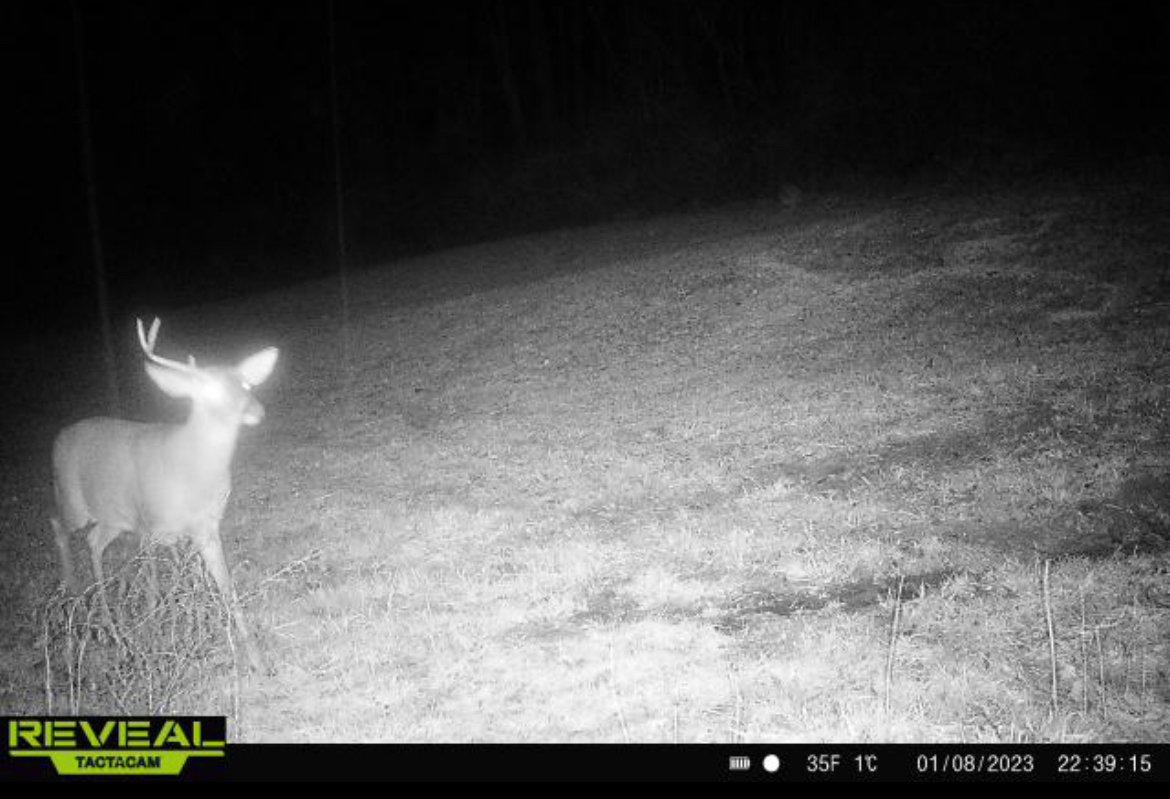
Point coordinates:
pixel 98 538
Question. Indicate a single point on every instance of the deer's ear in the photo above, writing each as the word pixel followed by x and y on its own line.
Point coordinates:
pixel 177 384
pixel 255 369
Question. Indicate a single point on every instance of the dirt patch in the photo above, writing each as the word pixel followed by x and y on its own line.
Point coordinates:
pixel 609 605
pixel 756 604
pixel 845 474
pixel 1135 519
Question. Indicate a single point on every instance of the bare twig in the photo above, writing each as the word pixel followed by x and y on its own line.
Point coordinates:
pixel 1051 637
pixel 893 642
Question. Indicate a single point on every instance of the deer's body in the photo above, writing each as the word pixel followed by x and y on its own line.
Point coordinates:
pixel 168 483
pixel 161 481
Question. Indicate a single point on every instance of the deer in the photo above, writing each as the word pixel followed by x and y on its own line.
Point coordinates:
pixel 167 482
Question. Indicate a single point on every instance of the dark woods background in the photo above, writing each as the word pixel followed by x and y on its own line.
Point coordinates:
pixel 463 121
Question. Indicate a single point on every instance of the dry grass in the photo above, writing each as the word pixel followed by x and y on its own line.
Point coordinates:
pixel 663 482
pixel 147 641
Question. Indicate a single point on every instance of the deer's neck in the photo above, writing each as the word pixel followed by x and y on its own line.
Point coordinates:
pixel 206 448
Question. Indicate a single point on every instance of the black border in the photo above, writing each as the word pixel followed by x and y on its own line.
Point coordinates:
pixel 799 763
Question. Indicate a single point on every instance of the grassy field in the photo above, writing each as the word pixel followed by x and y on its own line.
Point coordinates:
pixel 874 468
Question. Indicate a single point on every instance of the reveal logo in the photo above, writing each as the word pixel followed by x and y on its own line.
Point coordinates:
pixel 100 745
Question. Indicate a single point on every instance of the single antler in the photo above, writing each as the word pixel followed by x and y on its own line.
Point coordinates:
pixel 147 341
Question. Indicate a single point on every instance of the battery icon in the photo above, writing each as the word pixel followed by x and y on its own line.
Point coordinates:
pixel 738 763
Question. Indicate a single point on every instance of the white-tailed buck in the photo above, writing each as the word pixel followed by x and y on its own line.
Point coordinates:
pixel 167 482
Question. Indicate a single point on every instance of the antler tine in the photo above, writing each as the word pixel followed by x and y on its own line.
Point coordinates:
pixel 147 339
